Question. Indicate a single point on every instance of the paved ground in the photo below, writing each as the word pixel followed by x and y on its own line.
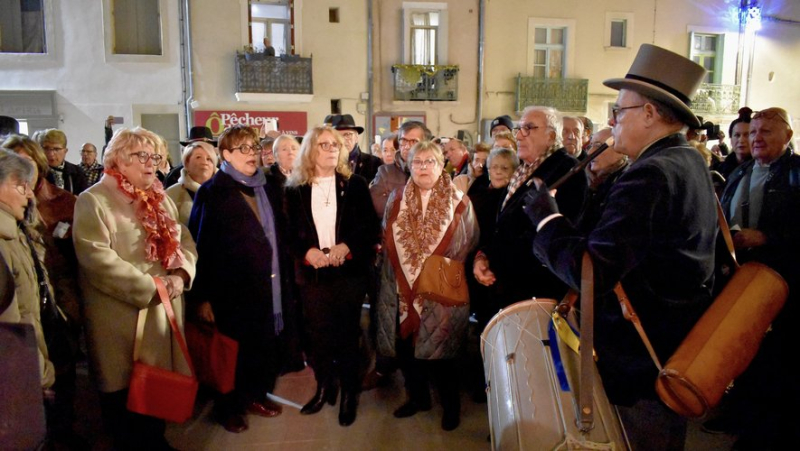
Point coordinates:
pixel 375 427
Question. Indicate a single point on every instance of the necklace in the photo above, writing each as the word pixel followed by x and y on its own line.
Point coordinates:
pixel 328 191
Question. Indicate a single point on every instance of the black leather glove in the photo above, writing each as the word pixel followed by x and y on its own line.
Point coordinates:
pixel 539 204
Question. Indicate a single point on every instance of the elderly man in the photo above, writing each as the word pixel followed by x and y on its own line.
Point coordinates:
pixel 762 204
pixel 656 236
pixel 361 163
pixel 91 168
pixel 457 154
pixel 63 174
pixel 392 176
pixel 572 134
pixel 506 262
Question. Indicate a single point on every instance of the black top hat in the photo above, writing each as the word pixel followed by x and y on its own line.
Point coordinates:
pixel 200 134
pixel 664 76
pixel 343 122
pixel 502 120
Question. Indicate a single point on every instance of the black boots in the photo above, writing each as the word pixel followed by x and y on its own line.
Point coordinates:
pixel 325 393
pixel 347 408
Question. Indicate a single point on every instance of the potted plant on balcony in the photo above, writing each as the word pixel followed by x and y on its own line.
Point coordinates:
pixel 251 54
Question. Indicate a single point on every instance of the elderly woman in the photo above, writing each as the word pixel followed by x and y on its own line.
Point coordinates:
pixel 429 216
pixel 52 222
pixel 126 233
pixel 267 154
pixel 237 223
pixel 17 176
pixel 389 148
pixel 285 150
pixel 335 230
pixel 199 164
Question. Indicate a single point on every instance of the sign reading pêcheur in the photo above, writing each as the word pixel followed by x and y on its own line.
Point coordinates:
pixel 289 122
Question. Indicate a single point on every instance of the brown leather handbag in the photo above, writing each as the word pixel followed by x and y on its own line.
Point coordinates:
pixel 723 342
pixel 443 280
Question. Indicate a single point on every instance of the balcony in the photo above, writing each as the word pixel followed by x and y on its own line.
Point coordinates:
pixel 434 83
pixel 563 94
pixel 716 99
pixel 261 78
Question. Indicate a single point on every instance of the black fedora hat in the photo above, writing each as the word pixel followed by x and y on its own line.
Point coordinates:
pixel 343 122
pixel 200 133
pixel 664 76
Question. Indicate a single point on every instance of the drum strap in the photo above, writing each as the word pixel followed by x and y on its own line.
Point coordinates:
pixel 586 389
pixel 630 314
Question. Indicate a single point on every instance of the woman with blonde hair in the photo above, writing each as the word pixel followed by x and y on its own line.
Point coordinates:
pixel 126 234
pixel 429 217
pixel 199 164
pixel 335 233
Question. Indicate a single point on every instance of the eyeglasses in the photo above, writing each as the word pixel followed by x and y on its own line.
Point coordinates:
pixel 408 142
pixel 770 114
pixel 423 164
pixel 144 156
pixel 329 146
pixel 247 149
pixel 349 135
pixel 87 152
pixel 499 167
pixel 22 188
pixel 52 149
pixel 525 129
pixel 616 109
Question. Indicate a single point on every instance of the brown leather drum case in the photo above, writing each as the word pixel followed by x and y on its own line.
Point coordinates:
pixel 723 342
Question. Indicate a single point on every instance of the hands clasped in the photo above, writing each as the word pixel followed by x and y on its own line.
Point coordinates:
pixel 321 258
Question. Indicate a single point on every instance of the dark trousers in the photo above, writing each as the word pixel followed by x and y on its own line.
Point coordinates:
pixel 417 373
pixel 257 362
pixel 652 426
pixel 131 431
pixel 332 313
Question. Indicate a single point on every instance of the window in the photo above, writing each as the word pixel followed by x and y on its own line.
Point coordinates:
pixel 706 50
pixel 548 61
pixel 333 15
pixel 425 31
pixel 619 28
pixel 137 27
pixel 272 20
pixel 424 35
pixel 22 27
pixel 619 37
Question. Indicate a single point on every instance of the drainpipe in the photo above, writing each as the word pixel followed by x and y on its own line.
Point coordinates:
pixel 370 75
pixel 481 55
pixel 187 71
pixel 479 101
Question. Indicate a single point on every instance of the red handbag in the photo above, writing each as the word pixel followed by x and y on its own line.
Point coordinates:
pixel 155 391
pixel 214 356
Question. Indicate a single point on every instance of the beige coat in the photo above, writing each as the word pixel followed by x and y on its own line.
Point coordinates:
pixel 24 306
pixel 180 196
pixel 116 282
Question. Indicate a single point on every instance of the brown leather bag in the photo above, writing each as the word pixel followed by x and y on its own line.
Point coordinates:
pixel 723 342
pixel 443 280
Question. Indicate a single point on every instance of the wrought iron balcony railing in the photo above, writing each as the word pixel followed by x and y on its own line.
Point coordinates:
pixel 716 99
pixel 256 73
pixel 415 82
pixel 563 94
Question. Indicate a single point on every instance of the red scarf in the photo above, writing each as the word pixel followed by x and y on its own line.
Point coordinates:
pixel 163 235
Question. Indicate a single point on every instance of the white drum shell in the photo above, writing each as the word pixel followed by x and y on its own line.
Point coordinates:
pixel 527 408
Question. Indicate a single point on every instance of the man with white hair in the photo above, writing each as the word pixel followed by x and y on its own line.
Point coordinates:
pixel 572 134
pixel 655 236
pixel 506 263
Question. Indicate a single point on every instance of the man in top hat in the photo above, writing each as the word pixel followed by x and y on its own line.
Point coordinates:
pixel 361 163
pixel 656 236
pixel 196 134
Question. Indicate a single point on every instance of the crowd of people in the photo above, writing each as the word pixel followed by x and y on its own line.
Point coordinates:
pixel 278 242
